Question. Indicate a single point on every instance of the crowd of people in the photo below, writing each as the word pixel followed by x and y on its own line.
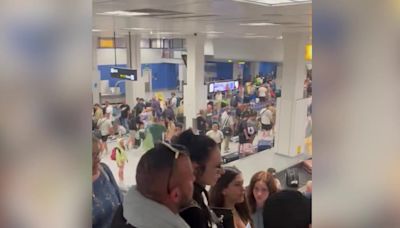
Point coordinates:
pixel 179 165
pixel 171 191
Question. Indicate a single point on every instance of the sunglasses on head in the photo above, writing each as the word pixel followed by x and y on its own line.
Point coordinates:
pixel 177 150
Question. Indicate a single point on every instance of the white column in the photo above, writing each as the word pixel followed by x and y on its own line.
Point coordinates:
pixel 195 92
pixel 237 70
pixel 182 75
pixel 279 73
pixel 134 89
pixel 95 72
pixel 292 108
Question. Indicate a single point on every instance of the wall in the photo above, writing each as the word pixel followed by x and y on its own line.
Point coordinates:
pixel 270 50
pixel 106 56
pixel 164 75
pixel 268 68
pixel 105 75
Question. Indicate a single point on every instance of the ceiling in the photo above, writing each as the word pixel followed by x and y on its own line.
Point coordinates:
pixel 215 18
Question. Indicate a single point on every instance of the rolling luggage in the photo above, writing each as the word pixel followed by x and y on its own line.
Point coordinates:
pixel 230 157
pixel 292 177
pixel 264 145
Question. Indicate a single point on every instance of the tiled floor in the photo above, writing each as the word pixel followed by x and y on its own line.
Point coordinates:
pixel 248 165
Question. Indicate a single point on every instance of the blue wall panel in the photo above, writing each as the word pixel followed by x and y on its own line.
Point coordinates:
pixel 247 72
pixel 267 68
pixel 105 75
pixel 164 75
pixel 224 71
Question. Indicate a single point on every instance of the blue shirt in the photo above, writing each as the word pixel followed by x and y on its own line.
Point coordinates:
pixel 105 199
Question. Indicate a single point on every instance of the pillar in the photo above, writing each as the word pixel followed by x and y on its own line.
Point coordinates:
pixel 95 72
pixel 195 92
pixel 134 89
pixel 237 71
pixel 291 107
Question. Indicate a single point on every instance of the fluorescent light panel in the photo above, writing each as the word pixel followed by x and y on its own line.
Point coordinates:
pixel 123 13
pixel 258 24
pixel 273 2
pixel 138 29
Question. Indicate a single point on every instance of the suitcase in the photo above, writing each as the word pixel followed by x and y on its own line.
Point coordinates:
pixel 292 177
pixel 264 145
pixel 307 164
pixel 230 157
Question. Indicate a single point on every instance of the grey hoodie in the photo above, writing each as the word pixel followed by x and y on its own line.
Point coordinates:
pixel 142 212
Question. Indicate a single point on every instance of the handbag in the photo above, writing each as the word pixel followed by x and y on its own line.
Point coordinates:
pixel 226 130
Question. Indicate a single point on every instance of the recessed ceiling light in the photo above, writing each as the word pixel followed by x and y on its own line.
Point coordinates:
pixel 137 29
pixel 269 37
pixel 274 2
pixel 279 37
pixel 96 30
pixel 213 32
pixel 123 13
pixel 259 24
pixel 166 33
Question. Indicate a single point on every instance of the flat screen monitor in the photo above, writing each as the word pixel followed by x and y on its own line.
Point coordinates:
pixel 223 86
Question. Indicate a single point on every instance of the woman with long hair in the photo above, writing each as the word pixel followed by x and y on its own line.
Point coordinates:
pixel 229 193
pixel 262 185
pixel 206 161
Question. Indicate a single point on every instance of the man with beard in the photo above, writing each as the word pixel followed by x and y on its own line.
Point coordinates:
pixel 164 178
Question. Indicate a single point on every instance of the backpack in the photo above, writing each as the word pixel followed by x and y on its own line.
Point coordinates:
pixel 234 101
pixel 114 153
pixel 292 177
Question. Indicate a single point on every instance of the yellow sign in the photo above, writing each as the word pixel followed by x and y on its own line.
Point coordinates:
pixel 298 149
pixel 308 54
pixel 106 43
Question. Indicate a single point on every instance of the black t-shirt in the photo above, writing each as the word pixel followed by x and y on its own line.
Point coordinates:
pixel 124 110
pixel 139 108
pixel 241 127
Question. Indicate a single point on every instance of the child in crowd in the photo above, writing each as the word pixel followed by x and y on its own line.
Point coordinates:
pixel 216 135
pixel 120 158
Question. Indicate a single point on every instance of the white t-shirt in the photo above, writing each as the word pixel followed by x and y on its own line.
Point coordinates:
pixel 262 91
pixel 173 102
pixel 224 118
pixel 217 136
pixel 266 116
pixel 104 125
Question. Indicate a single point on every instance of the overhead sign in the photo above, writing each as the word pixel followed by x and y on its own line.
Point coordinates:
pixel 127 74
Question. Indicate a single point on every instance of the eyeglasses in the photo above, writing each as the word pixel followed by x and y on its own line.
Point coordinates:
pixel 178 150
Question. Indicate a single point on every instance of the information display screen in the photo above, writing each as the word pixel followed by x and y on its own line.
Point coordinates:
pixel 127 74
pixel 222 86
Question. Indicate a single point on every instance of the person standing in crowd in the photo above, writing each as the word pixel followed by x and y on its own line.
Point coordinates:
pixel 106 129
pixel 287 208
pixel 98 113
pixel 229 193
pixel 201 123
pixel 209 115
pixel 169 113
pixel 177 133
pixel 109 110
pixel 262 93
pixel 170 132
pixel 218 101
pixel 206 161
pixel 272 172
pixel 155 105
pixel 266 120
pixel 227 126
pixel 125 110
pixel 106 196
pixel 244 135
pixel 133 127
pixel 157 130
pixel 139 106
pixel 262 185
pixel 173 101
pixel 216 135
pixel 146 116
pixel 164 177
pixel 121 158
